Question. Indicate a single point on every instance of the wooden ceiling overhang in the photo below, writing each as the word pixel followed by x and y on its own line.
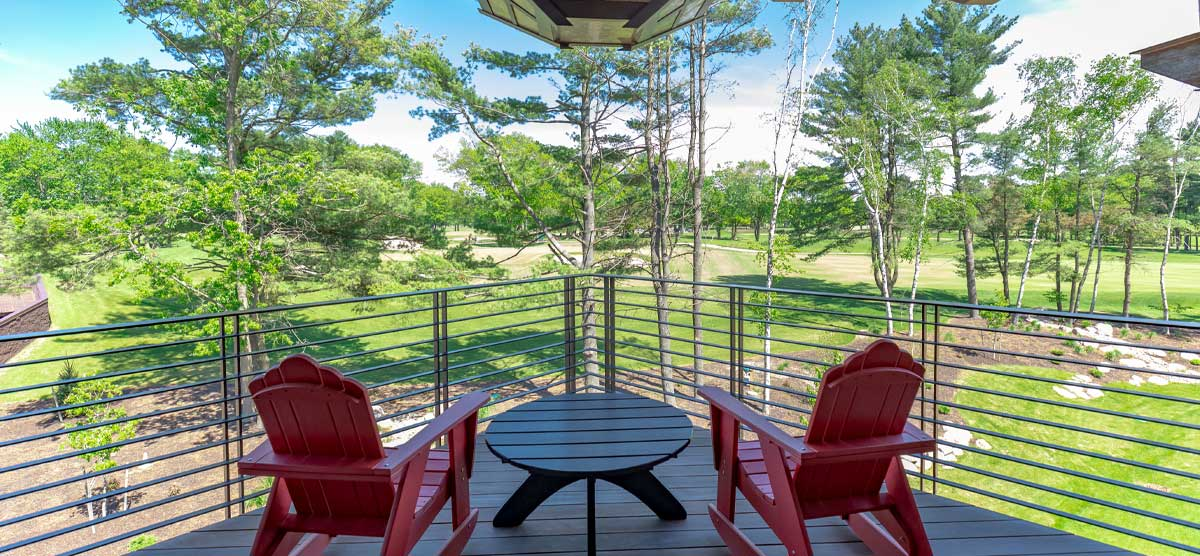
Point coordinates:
pixel 1178 59
pixel 620 23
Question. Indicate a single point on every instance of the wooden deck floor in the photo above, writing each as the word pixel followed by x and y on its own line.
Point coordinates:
pixel 627 528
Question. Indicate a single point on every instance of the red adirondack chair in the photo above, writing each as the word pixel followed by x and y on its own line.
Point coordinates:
pixel 858 430
pixel 324 451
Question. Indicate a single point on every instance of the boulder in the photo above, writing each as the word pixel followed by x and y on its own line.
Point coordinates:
pixel 1158 380
pixel 1189 357
pixel 1134 363
pixel 1104 329
pixel 1136 380
pixel 983 444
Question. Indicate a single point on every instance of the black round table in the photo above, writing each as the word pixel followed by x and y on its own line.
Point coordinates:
pixel 618 437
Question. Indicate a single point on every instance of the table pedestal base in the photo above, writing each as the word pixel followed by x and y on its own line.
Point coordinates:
pixel 537 488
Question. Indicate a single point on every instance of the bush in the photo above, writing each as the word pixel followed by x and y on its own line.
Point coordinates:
pixel 1096 373
pixel 1112 355
pixel 142 541
pixel 64 391
pixel 1057 352
pixel 943 410
pixel 1196 362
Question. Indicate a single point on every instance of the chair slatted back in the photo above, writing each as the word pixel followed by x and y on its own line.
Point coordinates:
pixel 311 410
pixel 869 395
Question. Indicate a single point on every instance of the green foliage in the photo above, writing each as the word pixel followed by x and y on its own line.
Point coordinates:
pixel 62 392
pixel 142 541
pixel 94 438
pixel 943 410
pixel 1112 355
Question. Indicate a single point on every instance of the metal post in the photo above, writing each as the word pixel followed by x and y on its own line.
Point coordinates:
pixel 437 353
pixel 734 370
pixel 445 322
pixel 610 333
pixel 225 418
pixel 937 340
pixel 742 344
pixel 241 432
pixel 569 332
pixel 924 383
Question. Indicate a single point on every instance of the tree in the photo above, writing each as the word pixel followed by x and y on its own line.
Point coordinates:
pixel 1049 85
pixel 589 99
pixel 861 130
pixel 1148 169
pixel 1002 205
pixel 252 77
pixel 728 30
pixel 1183 164
pixel 960 44
pixel 788 122
pixel 96 428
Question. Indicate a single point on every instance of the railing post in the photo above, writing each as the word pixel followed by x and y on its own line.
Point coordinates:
pixel 241 433
pixel 737 341
pixel 225 417
pixel 569 355
pixel 439 351
pixel 610 333
pixel 937 340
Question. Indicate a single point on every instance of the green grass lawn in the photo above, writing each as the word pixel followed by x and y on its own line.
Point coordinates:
pixel 1150 479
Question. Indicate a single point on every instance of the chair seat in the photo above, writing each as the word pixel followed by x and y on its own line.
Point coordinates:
pixel 756 486
pixel 754 469
pixel 434 485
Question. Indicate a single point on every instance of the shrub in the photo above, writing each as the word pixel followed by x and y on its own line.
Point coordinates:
pixel 1112 355
pixel 943 410
pixel 141 541
pixel 1057 352
pixel 1085 323
pixel 1096 373
pixel 64 391
pixel 948 337
pixel 1196 362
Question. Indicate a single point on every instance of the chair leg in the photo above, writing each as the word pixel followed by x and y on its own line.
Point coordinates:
pixel 270 536
pixel 904 509
pixel 877 537
pixel 313 544
pixel 461 534
pixel 737 542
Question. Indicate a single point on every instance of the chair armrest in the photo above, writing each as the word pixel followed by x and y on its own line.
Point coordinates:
pixel 722 401
pixel 911 440
pixel 466 407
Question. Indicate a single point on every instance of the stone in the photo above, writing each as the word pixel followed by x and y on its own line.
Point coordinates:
pixel 1082 379
pixel 1158 380
pixel 1189 357
pixel 983 444
pixel 1104 329
pixel 956 435
pixel 1092 393
pixel 1133 363
pixel 1065 392
pixel 1136 380
pixel 1103 370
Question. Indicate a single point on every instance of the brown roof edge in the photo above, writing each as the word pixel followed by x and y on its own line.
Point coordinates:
pixel 1194 37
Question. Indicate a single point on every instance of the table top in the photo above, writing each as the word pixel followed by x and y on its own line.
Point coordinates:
pixel 589 435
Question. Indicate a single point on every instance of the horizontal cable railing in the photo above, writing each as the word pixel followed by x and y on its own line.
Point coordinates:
pixel 1084 422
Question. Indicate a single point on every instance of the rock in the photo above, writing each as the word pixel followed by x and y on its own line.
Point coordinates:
pixel 1081 379
pixel 1103 370
pixel 1158 380
pixel 956 435
pixel 1189 357
pixel 1175 368
pixel 1133 363
pixel 1065 392
pixel 389 425
pixel 1092 393
pixel 983 444
pixel 1104 329
pixel 1136 380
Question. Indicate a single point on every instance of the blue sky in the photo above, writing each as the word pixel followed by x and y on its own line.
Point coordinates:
pixel 41 40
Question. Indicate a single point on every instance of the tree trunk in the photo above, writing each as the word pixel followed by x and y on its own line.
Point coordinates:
pixel 699 124
pixel 968 235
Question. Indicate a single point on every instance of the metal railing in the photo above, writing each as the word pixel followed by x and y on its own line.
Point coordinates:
pixel 1085 422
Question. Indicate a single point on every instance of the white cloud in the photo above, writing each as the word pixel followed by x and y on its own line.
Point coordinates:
pixel 1090 30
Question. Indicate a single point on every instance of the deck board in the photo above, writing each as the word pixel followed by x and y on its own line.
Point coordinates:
pixel 628 528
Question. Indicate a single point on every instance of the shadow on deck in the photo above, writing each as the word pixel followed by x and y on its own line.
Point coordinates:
pixel 628 528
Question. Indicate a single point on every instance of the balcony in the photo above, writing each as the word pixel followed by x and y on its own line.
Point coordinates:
pixel 1057 433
